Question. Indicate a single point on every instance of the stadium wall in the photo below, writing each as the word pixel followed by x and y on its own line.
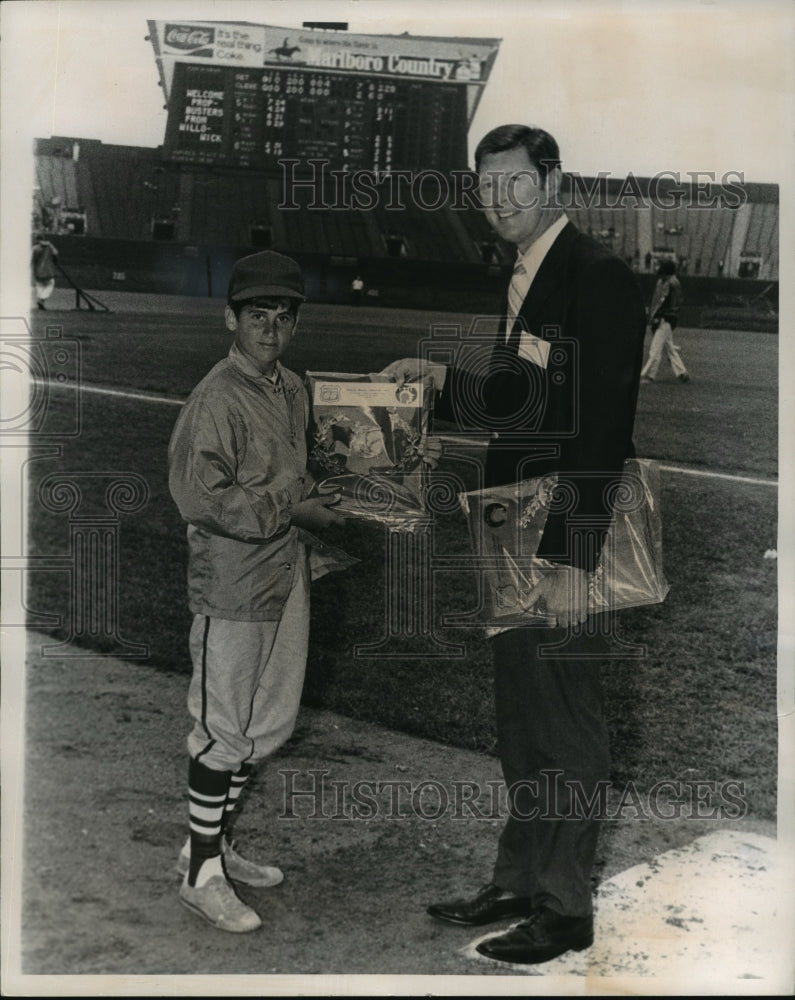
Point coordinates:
pixel 170 268
pixel 182 269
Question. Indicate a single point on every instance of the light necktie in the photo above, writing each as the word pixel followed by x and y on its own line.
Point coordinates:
pixel 516 293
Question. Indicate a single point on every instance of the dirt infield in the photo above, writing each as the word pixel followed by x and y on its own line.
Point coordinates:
pixel 105 815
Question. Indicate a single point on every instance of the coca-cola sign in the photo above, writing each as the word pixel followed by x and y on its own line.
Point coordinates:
pixel 187 37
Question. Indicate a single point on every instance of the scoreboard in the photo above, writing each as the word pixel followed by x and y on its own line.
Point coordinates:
pixel 248 96
pixel 220 116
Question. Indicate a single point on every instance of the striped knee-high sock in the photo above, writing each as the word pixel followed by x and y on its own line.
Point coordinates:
pixel 236 785
pixel 207 790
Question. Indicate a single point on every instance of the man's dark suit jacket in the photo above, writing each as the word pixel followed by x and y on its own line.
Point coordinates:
pixel 576 416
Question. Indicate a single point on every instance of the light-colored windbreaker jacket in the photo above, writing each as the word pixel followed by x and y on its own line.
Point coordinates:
pixel 237 463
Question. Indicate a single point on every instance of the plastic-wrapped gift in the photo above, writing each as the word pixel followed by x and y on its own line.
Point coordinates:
pixel 366 435
pixel 506 524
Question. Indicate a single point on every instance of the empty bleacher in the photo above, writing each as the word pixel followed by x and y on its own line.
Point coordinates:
pixel 134 194
pixel 122 189
pixel 761 240
pixel 698 236
pixel 57 179
pixel 614 226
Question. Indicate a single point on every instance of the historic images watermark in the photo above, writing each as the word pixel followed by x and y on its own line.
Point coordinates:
pixel 314 185
pixel 314 795
pixel 41 411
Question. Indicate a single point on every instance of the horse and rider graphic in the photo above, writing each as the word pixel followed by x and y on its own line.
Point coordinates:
pixel 285 51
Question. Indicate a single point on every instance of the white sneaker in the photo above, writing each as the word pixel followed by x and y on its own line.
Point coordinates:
pixel 218 903
pixel 239 869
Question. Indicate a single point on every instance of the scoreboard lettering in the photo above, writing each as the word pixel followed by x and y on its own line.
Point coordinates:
pixel 195 130
pixel 241 117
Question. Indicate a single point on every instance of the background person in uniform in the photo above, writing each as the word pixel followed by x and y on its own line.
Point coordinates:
pixel 237 472
pixel 558 395
pixel 43 260
pixel 357 289
pixel 664 318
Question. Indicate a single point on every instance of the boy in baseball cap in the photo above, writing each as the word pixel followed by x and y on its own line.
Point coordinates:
pixel 237 472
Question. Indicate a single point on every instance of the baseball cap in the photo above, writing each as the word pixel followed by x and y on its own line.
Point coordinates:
pixel 265 273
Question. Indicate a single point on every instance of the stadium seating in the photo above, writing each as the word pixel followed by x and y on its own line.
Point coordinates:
pixel 133 194
pixel 761 241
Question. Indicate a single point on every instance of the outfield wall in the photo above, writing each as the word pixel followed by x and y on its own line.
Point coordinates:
pixel 170 268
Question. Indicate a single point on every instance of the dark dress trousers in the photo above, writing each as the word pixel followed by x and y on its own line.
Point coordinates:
pixel 574 417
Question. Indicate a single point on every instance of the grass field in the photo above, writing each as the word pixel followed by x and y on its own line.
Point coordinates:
pixel 700 704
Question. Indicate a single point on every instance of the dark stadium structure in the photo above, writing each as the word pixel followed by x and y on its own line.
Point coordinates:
pixel 356 165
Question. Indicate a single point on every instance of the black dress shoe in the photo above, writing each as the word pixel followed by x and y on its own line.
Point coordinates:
pixel 490 904
pixel 541 938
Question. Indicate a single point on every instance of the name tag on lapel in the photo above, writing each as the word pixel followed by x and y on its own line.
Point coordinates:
pixel 532 348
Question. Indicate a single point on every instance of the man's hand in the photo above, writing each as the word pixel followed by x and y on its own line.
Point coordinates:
pixel 563 596
pixel 315 514
pixel 414 369
pixel 430 449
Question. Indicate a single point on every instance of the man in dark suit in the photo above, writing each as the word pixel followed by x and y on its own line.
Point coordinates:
pixel 558 394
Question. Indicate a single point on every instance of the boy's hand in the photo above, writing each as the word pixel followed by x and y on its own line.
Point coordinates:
pixel 315 514
pixel 430 449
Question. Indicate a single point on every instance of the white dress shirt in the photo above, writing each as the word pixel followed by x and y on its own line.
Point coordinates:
pixel 532 259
